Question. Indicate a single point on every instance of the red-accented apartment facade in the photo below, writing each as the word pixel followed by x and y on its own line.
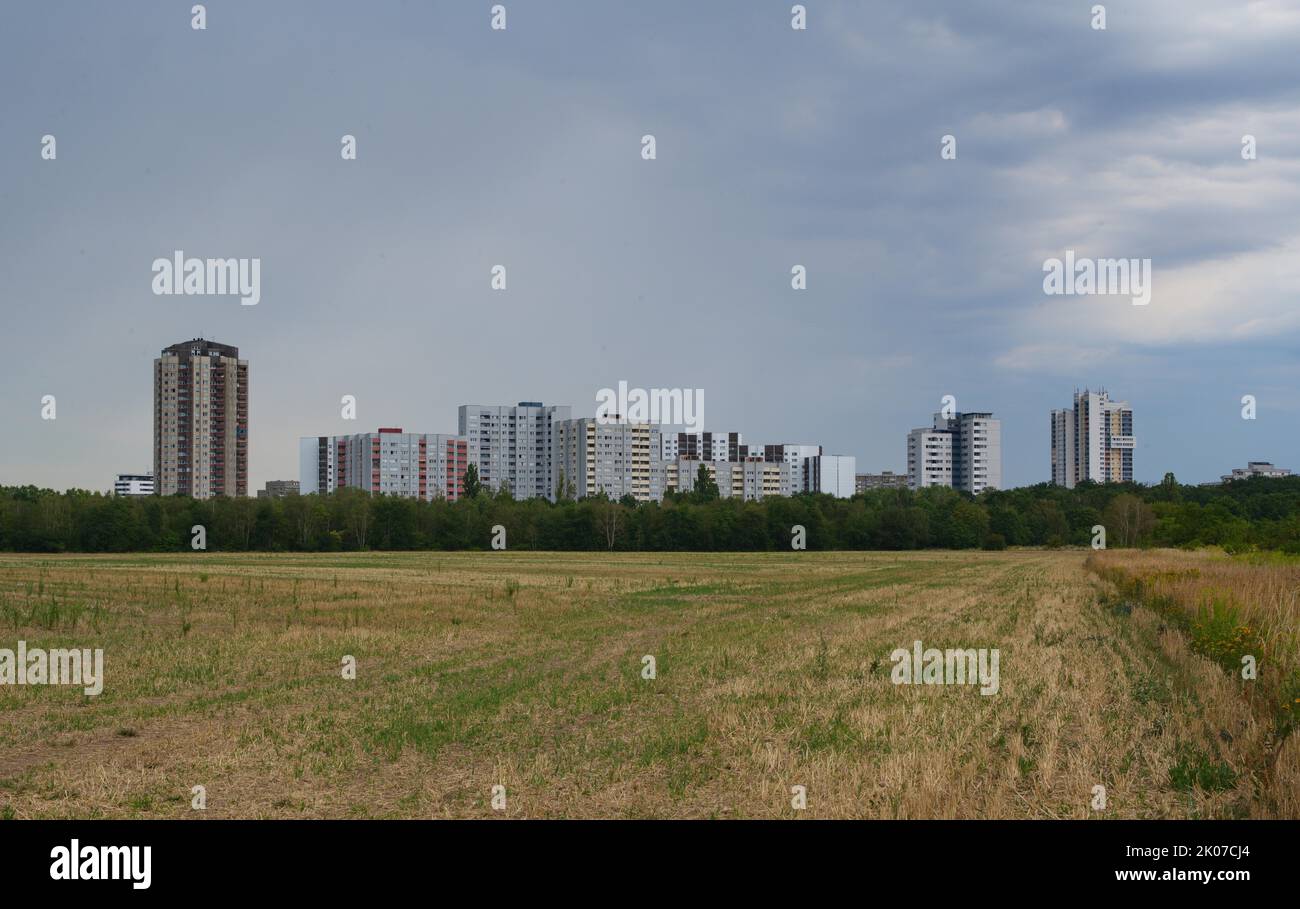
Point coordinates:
pixel 387 462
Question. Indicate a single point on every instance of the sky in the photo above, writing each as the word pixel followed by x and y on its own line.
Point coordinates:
pixel 774 147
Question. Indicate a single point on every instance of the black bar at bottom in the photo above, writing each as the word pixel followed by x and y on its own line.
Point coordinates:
pixel 336 858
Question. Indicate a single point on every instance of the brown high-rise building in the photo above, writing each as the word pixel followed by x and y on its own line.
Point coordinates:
pixel 200 420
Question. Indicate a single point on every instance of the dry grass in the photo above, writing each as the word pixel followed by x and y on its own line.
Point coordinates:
pixel 1228 609
pixel 524 669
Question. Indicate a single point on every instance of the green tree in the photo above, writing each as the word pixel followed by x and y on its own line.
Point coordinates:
pixel 564 488
pixel 471 487
pixel 706 488
pixel 1127 519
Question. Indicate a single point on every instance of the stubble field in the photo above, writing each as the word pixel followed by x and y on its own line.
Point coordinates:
pixel 525 670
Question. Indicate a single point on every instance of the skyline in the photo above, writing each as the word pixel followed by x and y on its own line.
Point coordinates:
pixel 665 427
pixel 774 148
pixel 668 429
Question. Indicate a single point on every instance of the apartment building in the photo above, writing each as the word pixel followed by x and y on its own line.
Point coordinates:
pixel 976 450
pixel 200 417
pixel 752 480
pixel 663 476
pixel 886 479
pixel 387 462
pixel 704 446
pixel 929 458
pixel 963 451
pixel 589 457
pixel 133 484
pixel 1093 440
pixel 513 445
pixel 831 474
pixel 794 454
pixel 1063 462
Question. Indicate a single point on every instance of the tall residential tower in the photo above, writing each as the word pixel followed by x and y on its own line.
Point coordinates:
pixel 963 451
pixel 513 445
pixel 200 420
pixel 1092 441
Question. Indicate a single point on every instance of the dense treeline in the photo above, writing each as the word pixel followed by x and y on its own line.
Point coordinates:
pixel 1262 513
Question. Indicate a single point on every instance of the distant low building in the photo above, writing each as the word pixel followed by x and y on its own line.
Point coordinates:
pixel 1256 469
pixel 133 484
pixel 886 479
pixel 278 489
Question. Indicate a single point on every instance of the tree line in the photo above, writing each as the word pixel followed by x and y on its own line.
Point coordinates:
pixel 1261 513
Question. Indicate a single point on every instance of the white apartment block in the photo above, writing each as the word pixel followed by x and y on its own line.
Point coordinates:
pixel 668 446
pixel 513 445
pixel 589 457
pixel 963 451
pixel 1092 441
pixel 929 458
pixel 795 455
pixel 704 446
pixel 832 474
pixel 976 451
pixel 133 484
pixel 388 462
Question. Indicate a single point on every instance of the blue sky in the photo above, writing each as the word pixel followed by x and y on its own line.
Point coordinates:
pixel 774 148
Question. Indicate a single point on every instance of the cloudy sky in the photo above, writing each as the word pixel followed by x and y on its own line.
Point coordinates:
pixel 775 147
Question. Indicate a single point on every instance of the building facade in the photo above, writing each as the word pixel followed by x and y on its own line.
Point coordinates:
pixel 963 451
pixel 133 484
pixel 830 474
pixel 200 416
pixel 1063 463
pixel 929 458
pixel 1093 440
pixel 513 446
pixel 794 454
pixel 589 457
pixel 976 451
pixel 703 446
pixel 388 462
pixel 752 480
